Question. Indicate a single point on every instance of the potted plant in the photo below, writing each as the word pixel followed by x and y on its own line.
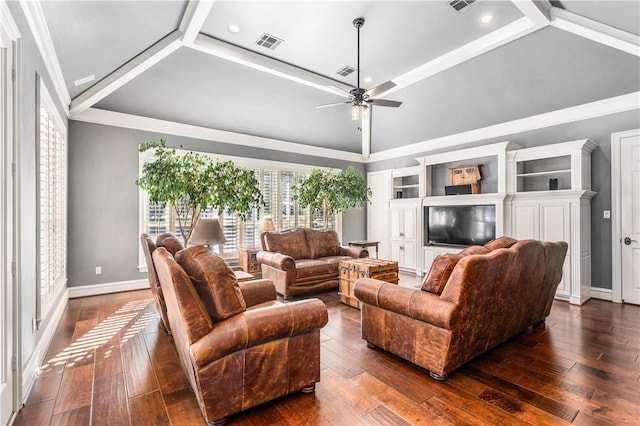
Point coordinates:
pixel 326 192
pixel 191 182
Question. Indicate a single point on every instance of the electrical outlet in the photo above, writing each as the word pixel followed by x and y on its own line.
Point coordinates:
pixel 607 214
pixel 98 270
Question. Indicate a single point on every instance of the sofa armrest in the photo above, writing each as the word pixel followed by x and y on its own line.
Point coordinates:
pixel 276 260
pixel 257 291
pixel 355 252
pixel 254 327
pixel 413 303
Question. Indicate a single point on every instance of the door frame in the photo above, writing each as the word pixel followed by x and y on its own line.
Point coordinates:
pixel 616 217
pixel 11 179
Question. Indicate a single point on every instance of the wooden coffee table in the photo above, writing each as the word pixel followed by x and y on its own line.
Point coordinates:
pixel 352 269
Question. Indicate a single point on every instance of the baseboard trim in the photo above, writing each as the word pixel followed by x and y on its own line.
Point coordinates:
pixel 601 293
pixel 30 370
pixel 98 289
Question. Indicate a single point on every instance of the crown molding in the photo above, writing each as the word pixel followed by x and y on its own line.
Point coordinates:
pixel 7 21
pixel 127 72
pixel 623 103
pixel 130 121
pixel 595 31
pixel 38 25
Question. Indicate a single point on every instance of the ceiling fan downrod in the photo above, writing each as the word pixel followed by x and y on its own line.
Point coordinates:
pixel 358 23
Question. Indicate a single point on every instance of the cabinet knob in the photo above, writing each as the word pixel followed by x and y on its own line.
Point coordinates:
pixel 628 241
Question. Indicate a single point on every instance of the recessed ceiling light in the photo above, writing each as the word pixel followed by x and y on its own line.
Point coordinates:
pixel 233 28
pixel 486 19
pixel 368 79
pixel 84 80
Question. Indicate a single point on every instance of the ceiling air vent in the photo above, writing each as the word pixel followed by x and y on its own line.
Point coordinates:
pixel 461 4
pixel 269 41
pixel 346 70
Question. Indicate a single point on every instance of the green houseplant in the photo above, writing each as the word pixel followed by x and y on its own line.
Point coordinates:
pixel 191 182
pixel 326 192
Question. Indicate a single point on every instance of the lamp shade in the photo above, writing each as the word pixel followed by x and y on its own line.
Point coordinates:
pixel 266 224
pixel 208 231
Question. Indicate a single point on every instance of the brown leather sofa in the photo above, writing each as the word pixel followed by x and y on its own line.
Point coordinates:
pixel 237 345
pixel 171 243
pixel 303 260
pixel 468 304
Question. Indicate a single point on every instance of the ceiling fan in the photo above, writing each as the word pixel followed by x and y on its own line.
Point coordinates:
pixel 361 100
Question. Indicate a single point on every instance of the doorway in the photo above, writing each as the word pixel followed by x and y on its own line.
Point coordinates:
pixel 625 194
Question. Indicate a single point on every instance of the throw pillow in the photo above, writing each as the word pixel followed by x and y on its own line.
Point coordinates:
pixel 475 250
pixel 170 242
pixel 322 243
pixel 440 272
pixel 502 242
pixel 214 282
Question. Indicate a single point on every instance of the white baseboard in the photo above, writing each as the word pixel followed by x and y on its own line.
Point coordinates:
pixel 98 289
pixel 30 370
pixel 601 293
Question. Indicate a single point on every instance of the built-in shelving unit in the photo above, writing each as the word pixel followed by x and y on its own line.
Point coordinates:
pixel 406 182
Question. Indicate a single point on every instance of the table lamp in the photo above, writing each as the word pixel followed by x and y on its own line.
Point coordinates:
pixel 207 232
pixel 266 224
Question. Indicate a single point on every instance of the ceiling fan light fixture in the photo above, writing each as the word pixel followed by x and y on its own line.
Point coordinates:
pixel 357 111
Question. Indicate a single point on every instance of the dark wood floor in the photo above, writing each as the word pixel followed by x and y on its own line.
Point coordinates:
pixel 110 363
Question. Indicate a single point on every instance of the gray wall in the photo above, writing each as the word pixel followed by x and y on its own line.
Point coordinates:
pixel 30 66
pixel 103 197
pixel 597 130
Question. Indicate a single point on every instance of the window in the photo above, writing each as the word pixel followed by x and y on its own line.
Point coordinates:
pixel 52 190
pixel 276 182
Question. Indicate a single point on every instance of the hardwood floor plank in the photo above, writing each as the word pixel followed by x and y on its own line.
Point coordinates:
pixel 76 386
pixel 383 416
pixel 138 372
pixel 110 406
pixel 148 409
pixel 46 386
pixel 35 414
pixel 184 409
pixel 165 364
pixel 351 394
pixel 76 417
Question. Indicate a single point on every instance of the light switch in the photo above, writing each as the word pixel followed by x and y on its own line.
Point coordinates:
pixel 607 214
pixel 98 270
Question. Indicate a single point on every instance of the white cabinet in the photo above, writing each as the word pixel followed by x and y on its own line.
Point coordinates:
pixel 557 215
pixel 405 218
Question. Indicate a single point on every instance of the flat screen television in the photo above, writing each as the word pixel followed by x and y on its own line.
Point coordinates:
pixel 460 225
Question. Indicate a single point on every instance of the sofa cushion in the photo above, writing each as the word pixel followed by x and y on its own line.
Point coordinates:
pixel 502 242
pixel 439 273
pixel 322 243
pixel 475 250
pixel 315 267
pixel 291 242
pixel 170 242
pixel 214 281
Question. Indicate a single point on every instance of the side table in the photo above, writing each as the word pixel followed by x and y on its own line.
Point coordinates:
pixel 365 244
pixel 248 262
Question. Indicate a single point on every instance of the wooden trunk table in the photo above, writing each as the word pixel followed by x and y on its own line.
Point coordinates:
pixel 352 269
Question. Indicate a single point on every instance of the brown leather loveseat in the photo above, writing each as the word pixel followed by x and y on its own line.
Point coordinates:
pixel 237 345
pixel 469 303
pixel 303 260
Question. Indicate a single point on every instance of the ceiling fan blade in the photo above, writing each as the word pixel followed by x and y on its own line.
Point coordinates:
pixel 380 88
pixel 333 104
pixel 385 103
pixel 366 132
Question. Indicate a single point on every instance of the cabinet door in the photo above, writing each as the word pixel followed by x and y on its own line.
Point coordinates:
pixel 428 255
pixel 397 228
pixel 525 220
pixel 397 252
pixel 409 223
pixel 555 226
pixel 409 255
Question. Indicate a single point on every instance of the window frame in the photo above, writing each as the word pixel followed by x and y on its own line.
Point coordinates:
pixel 246 163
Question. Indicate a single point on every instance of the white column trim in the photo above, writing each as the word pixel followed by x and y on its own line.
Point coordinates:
pixel 193 18
pixel 38 25
pixel 7 21
pixel 623 103
pixel 118 119
pixel 537 11
pixel 127 72
pixel 595 31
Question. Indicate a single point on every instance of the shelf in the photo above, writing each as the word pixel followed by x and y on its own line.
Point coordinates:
pixel 545 173
pixel 406 186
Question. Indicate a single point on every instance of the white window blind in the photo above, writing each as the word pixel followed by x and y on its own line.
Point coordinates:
pixel 52 189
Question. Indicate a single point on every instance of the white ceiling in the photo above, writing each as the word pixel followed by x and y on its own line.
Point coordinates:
pixel 177 61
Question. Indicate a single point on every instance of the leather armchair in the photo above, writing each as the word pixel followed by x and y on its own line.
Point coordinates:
pixel 238 346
